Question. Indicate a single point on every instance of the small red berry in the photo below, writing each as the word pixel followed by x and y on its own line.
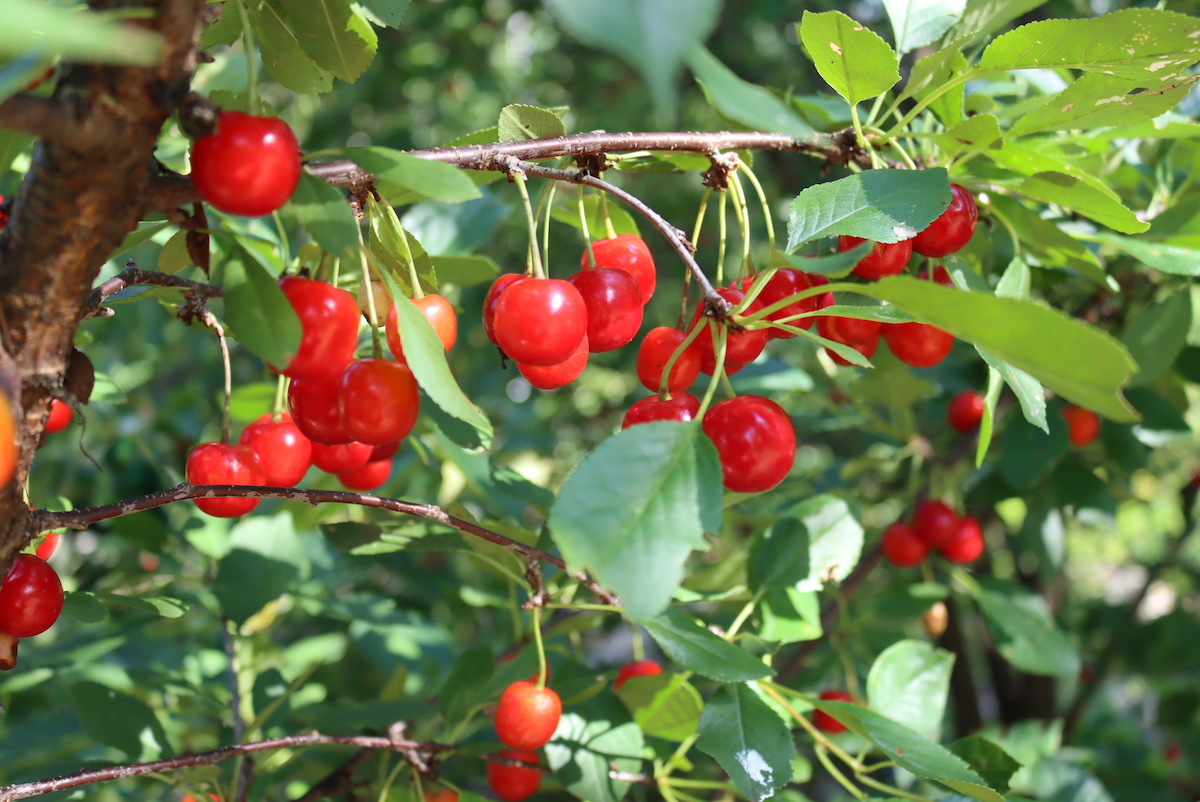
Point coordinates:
pixel 679 407
pixel 503 282
pixel 224 464
pixel 378 401
pixel 248 166
pixel 825 722
pixel 934 522
pixel 284 453
pixel 527 716
pixel 367 477
pixel 440 314
pixel 342 457
pixel 965 543
pixel 514 783
pixel 952 229
pixel 848 330
pixel 940 276
pixel 614 307
pixel 642 668
pixel 902 547
pixel 1082 425
pixel 755 442
pixel 965 411
pixel 741 347
pixel 540 321
pixel 655 351
pixel 867 349
pixel 918 344
pixel 31 597
pixel 314 408
pixel 441 794
pixel 60 416
pixel 551 377
pixel 786 283
pixel 885 259
pixel 47 546
pixel 626 252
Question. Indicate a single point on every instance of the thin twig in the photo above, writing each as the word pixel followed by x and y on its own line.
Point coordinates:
pixel 45 520
pixel 132 275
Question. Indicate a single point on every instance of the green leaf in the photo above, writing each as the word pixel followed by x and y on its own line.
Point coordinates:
pixel 789 616
pixel 390 244
pixel 652 35
pixel 143 233
pixel 83 607
pixel 468 681
pixel 987 423
pixel 665 705
pixel 975 133
pixel 11 144
pixel 402 172
pixel 1028 390
pixel 1139 44
pixel 258 313
pixel 1157 334
pixel 984 16
pixel 1024 629
pixel 333 36
pixel 988 759
pixel 741 101
pixel 386 12
pixel 282 53
pixel 519 122
pixel 834 265
pixel 1074 193
pixel 246 581
pixel 75 36
pixel 694 647
pixel 119 720
pixel 1097 100
pixel 910 750
pixel 817 541
pixel 879 205
pixel 852 58
pixel 748 740
pixel 1077 361
pixel 909 682
pixel 568 213
pixel 638 547
pixel 155 605
pixel 936 70
pixel 465 271
pixel 1047 243
pixel 592 739
pixel 325 214
pixel 916 23
pixel 1027 455
pixel 1161 256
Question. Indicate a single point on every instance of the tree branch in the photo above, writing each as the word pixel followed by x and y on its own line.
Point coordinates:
pixel 47 520
pixel 132 275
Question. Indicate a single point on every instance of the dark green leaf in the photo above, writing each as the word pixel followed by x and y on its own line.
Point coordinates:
pixel 748 740
pixel 665 705
pixel 1027 455
pixel 817 541
pixel 1025 630
pixel 1049 245
pixel 83 607
pixel 1157 335
pixel 741 101
pixel 592 740
pixel 694 647
pixel 325 214
pixel 386 12
pixel 282 53
pixel 519 122
pixel 909 682
pixel 156 605
pixel 258 313
pixel 1161 422
pixel 852 58
pixel 396 170
pixel 333 36
pixel 790 615
pixel 987 759
pixel 119 720
pixel 246 581
pixel 467 683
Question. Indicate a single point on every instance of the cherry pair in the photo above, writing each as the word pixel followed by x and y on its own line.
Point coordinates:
pixel 935 525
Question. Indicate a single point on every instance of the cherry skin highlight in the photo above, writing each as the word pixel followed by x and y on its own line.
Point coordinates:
pixel 329 328
pixel 284 453
pixel 540 321
pixel 514 783
pixel 825 722
pixel 248 166
pixel 885 259
pixel 952 229
pixel 934 522
pixel 1083 425
pixel 31 597
pixel 60 416
pixel 755 442
pixel 965 411
pixel 440 314
pixel 918 344
pixel 655 351
pixel 902 547
pixel 614 307
pixel 527 716
pixel 626 252
pixel 314 408
pixel 551 377
pixel 681 407
pixel 378 401
pixel 224 464
pixel 642 668
pixel 965 544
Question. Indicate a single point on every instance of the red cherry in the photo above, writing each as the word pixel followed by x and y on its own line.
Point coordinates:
pixel 384 451
pixel 681 407
pixel 918 344
pixel 527 716
pixel 314 408
pixel 441 794
pixel 60 416
pixel 437 311
pixel 368 477
pixel 934 522
pixel 493 295
pixel 1082 425
pixel 514 783
pixel 901 546
pixel 786 283
pixel 653 354
pixel 848 330
pixel 643 668
pixel 755 442
pixel 867 349
pixel 284 453
pixel 329 328
pixel 940 276
pixel 885 259
pixel 965 411
pixel 224 464
pixel 379 401
pixel 550 377
pixel 965 543
pixel 540 321
pixel 342 457
pixel 825 722
pixel 1172 752
pixel 248 166
pixel 742 347
pixel 614 307
pixel 47 546
pixel 954 227
pixel 626 252
pixel 31 597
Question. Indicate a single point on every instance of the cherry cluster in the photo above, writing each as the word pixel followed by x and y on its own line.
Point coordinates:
pixel 935 525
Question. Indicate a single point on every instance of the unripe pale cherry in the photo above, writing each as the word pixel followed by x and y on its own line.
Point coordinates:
pixel 440 314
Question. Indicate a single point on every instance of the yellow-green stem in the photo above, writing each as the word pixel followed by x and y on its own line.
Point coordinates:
pixel 251 62
pixel 721 335
pixel 834 772
pixel 535 255
pixel 744 614
pixel 280 390
pixel 541 650
pixel 583 226
pixel 762 200
pixel 376 343
pixel 890 789
pixel 722 227
pixel 663 392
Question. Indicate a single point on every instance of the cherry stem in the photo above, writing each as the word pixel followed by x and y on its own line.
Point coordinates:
pixel 720 337
pixel 742 212
pixel 376 345
pixel 637 644
pixel 762 200
pixel 609 231
pixel 251 60
pixel 280 390
pixel 541 649
pixel 723 229
pixel 210 320
pixel 337 268
pixel 583 226
pixel 664 383
pixel 548 196
pixel 518 175
pixel 687 276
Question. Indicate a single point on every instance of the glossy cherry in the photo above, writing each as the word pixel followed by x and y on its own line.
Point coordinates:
pixel 642 668
pixel 867 349
pixel 680 406
pixel 248 166
pixel 60 416
pixel 655 351
pixel 224 464
pixel 514 783
pixel 918 344
pixel 901 546
pixel 614 307
pixel 342 457
pixel 370 476
pixel 551 377
pixel 527 716
pixel 284 453
pixel 965 411
pixel 848 330
pixel 741 348
pixel 47 546
pixel 966 542
pixel 626 252
pixel 934 522
pixel 786 283
pixel 540 321
pixel 755 442
pixel 1082 425
pixel 885 259
pixel 314 408
pixel 329 328
pixel 825 722
pixel 493 295
pixel 31 597
pixel 378 401
pixel 954 227
pixel 440 314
